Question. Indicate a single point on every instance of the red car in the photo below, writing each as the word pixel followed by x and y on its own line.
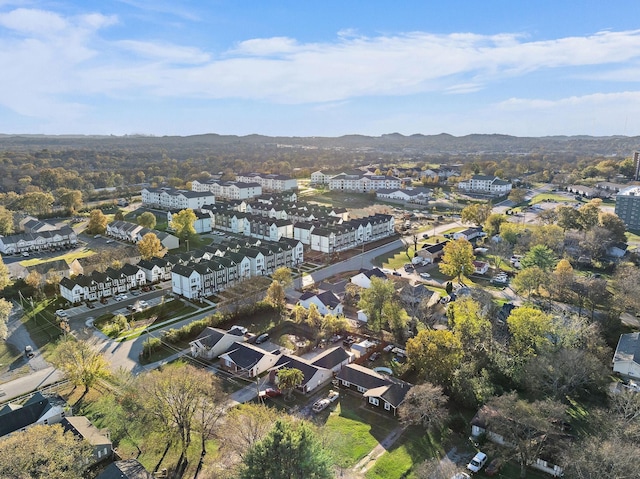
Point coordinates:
pixel 270 393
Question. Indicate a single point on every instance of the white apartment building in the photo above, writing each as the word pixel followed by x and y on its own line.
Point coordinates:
pixel 173 199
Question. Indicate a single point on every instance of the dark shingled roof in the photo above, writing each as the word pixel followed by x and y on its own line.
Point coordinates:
pixel 128 469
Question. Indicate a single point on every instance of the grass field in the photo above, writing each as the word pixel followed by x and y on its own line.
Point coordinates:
pixel 560 198
pixel 351 431
pixel 11 359
pixel 68 257
pixel 413 448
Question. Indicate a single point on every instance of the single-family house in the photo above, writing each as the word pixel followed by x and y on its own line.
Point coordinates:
pixel 127 469
pixel 313 376
pixel 432 252
pixel 381 392
pixel 333 358
pixel 82 428
pixel 39 409
pixel 546 462
pixel 362 348
pixel 626 360
pixel 617 250
pixel 212 342
pixel 468 234
pixel 480 267
pixel 413 294
pixel 327 302
pixel 363 278
pixel 244 359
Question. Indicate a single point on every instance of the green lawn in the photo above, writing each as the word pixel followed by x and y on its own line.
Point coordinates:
pixel 68 257
pixel 413 448
pixel 552 197
pixel 352 431
pixel 42 324
pixel 11 358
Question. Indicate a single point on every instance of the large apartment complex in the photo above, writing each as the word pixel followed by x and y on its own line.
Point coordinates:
pixel 488 185
pixel 269 182
pixel 628 207
pixel 173 199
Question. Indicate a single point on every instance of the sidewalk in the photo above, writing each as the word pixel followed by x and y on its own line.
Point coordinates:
pixel 369 460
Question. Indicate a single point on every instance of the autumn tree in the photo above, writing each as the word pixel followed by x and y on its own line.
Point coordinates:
pixel 424 405
pixel 517 195
pixel 283 276
pixel 530 329
pixel 435 354
pixel 596 457
pixel 612 223
pixel 289 451
pixel 275 295
pixel 150 246
pixel 288 379
pixel 589 214
pixel 147 219
pixel 476 213
pixel 314 318
pixel 97 222
pixel 457 259
pixel 373 300
pixel 469 325
pixel 436 468
pixel 43 452
pixel 173 398
pixel 528 426
pixel 5 312
pixel 299 314
pixel 6 221
pixel 332 324
pixel 36 203
pixel 568 218
pixel 625 285
pixel 529 280
pixel 493 222
pixel 5 278
pixel 82 364
pixel 562 279
pixel 183 223
pixel 70 199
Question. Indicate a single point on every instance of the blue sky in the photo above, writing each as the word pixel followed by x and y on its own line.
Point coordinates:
pixel 311 68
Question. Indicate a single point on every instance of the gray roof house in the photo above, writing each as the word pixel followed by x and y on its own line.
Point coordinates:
pixel 127 469
pixel 212 342
pixel 626 360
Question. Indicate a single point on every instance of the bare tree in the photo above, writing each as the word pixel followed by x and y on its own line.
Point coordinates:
pixel 424 405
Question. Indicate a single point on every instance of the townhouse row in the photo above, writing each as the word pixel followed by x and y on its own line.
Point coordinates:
pixel 46 240
pixel 224 265
pixel 133 233
pixel 230 190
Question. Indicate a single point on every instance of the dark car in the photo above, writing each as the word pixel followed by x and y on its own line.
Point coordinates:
pixel 262 338
pixel 90 305
pixel 494 467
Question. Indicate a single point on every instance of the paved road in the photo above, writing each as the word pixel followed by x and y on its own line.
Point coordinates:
pixel 26 384
pixel 18 337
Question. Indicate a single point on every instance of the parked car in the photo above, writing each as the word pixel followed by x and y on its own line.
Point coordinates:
pixel 28 351
pixel 271 393
pixel 322 404
pixel 25 254
pixel 90 305
pixel 262 338
pixel 494 467
pixel 61 313
pixel 425 236
pixel 425 275
pixel 120 297
pixel 478 462
pixel 104 300
pixel 396 273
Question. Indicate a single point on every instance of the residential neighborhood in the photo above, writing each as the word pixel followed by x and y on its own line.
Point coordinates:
pixel 400 303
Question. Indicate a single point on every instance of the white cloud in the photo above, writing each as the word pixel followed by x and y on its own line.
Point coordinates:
pixel 49 61
pixel 165 52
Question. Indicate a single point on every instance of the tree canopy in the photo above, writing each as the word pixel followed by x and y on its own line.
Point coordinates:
pixel 458 258
pixel 435 354
pixel 289 451
pixel 97 222
pixel 150 246
pixel 147 219
pixel 373 300
pixel 183 223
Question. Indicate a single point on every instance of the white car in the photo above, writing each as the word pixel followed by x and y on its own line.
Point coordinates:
pixel 143 304
pixel 61 312
pixel 120 297
pixel 478 462
pixel 425 275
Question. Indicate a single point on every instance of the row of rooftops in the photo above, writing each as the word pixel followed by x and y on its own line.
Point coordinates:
pixel 65 231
